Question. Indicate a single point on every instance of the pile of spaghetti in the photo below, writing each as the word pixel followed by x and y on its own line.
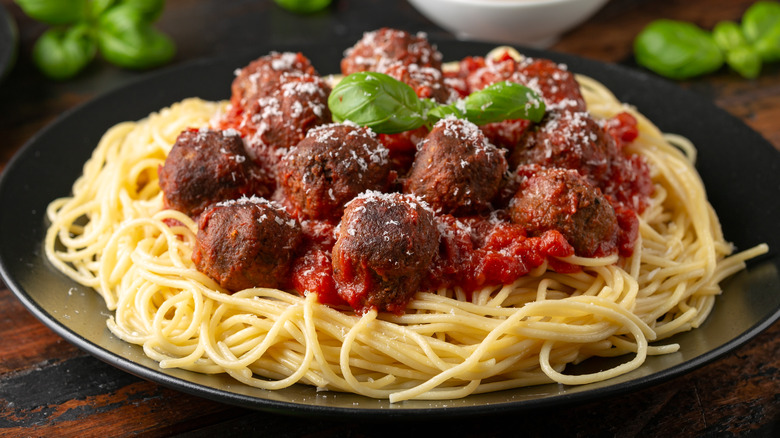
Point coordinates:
pixel 114 235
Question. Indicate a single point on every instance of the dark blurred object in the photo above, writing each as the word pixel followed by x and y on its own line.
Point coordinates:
pixel 8 42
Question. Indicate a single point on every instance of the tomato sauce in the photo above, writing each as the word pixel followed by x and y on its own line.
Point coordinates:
pixel 476 252
pixel 487 250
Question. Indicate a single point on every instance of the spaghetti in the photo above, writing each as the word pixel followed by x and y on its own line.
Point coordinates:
pixel 113 235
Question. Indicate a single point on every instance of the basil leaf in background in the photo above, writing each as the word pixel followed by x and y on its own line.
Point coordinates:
pixel 378 101
pixel 728 35
pixel 96 8
pixel 677 49
pixel 761 26
pixel 61 54
pixel 740 56
pixel 121 18
pixel 150 9
pixel 126 39
pixel 759 20
pixel 54 11
pixel 303 6
pixel 745 61
pixel 141 48
pixel 503 101
pixel 768 46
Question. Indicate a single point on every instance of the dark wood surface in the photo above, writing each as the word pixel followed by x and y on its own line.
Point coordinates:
pixel 50 388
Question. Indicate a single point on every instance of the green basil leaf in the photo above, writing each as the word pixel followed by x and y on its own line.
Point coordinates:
pixel 149 9
pixel 96 8
pixel 122 19
pixel 728 35
pixel 677 49
pixel 503 101
pixel 768 46
pixel 62 53
pixel 760 19
pixel 127 39
pixel 139 48
pixel 54 11
pixel 303 6
pixel 457 109
pixel 378 101
pixel 745 61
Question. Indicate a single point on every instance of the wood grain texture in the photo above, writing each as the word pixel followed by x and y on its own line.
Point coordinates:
pixel 50 388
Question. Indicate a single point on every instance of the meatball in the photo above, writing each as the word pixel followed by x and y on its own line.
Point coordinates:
pixel 456 170
pixel 570 140
pixel 557 86
pixel 263 75
pixel 563 200
pixel 276 122
pixel 385 244
pixel 385 46
pixel 246 243
pixel 427 82
pixel 332 165
pixel 555 83
pixel 206 166
pixel 281 119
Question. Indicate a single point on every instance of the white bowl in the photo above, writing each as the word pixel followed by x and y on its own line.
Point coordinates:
pixel 533 23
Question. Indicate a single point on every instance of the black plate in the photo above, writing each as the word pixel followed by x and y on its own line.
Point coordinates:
pixel 740 169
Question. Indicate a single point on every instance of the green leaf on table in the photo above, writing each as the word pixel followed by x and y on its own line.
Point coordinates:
pixel 62 53
pixel 761 26
pixel 54 11
pixel 760 19
pixel 677 49
pixel 96 8
pixel 126 39
pixel 744 60
pixel 728 35
pixel 149 9
pixel 303 6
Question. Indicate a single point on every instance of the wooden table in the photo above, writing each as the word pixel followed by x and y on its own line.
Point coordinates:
pixel 48 387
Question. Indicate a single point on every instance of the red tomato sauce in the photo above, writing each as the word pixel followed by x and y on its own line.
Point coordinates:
pixel 489 250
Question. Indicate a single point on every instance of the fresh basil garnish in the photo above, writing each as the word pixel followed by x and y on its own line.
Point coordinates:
pixel 388 106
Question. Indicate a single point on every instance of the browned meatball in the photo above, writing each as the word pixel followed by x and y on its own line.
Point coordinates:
pixel 563 200
pixel 555 82
pixel 246 243
pixel 385 46
pixel 570 140
pixel 263 75
pixel 456 170
pixel 276 122
pixel 552 81
pixel 204 167
pixel 427 82
pixel 332 165
pixel 385 245
pixel 281 119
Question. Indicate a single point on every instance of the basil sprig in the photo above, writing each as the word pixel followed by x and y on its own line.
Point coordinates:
pixel 303 6
pixel 120 30
pixel 681 50
pixel 388 106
